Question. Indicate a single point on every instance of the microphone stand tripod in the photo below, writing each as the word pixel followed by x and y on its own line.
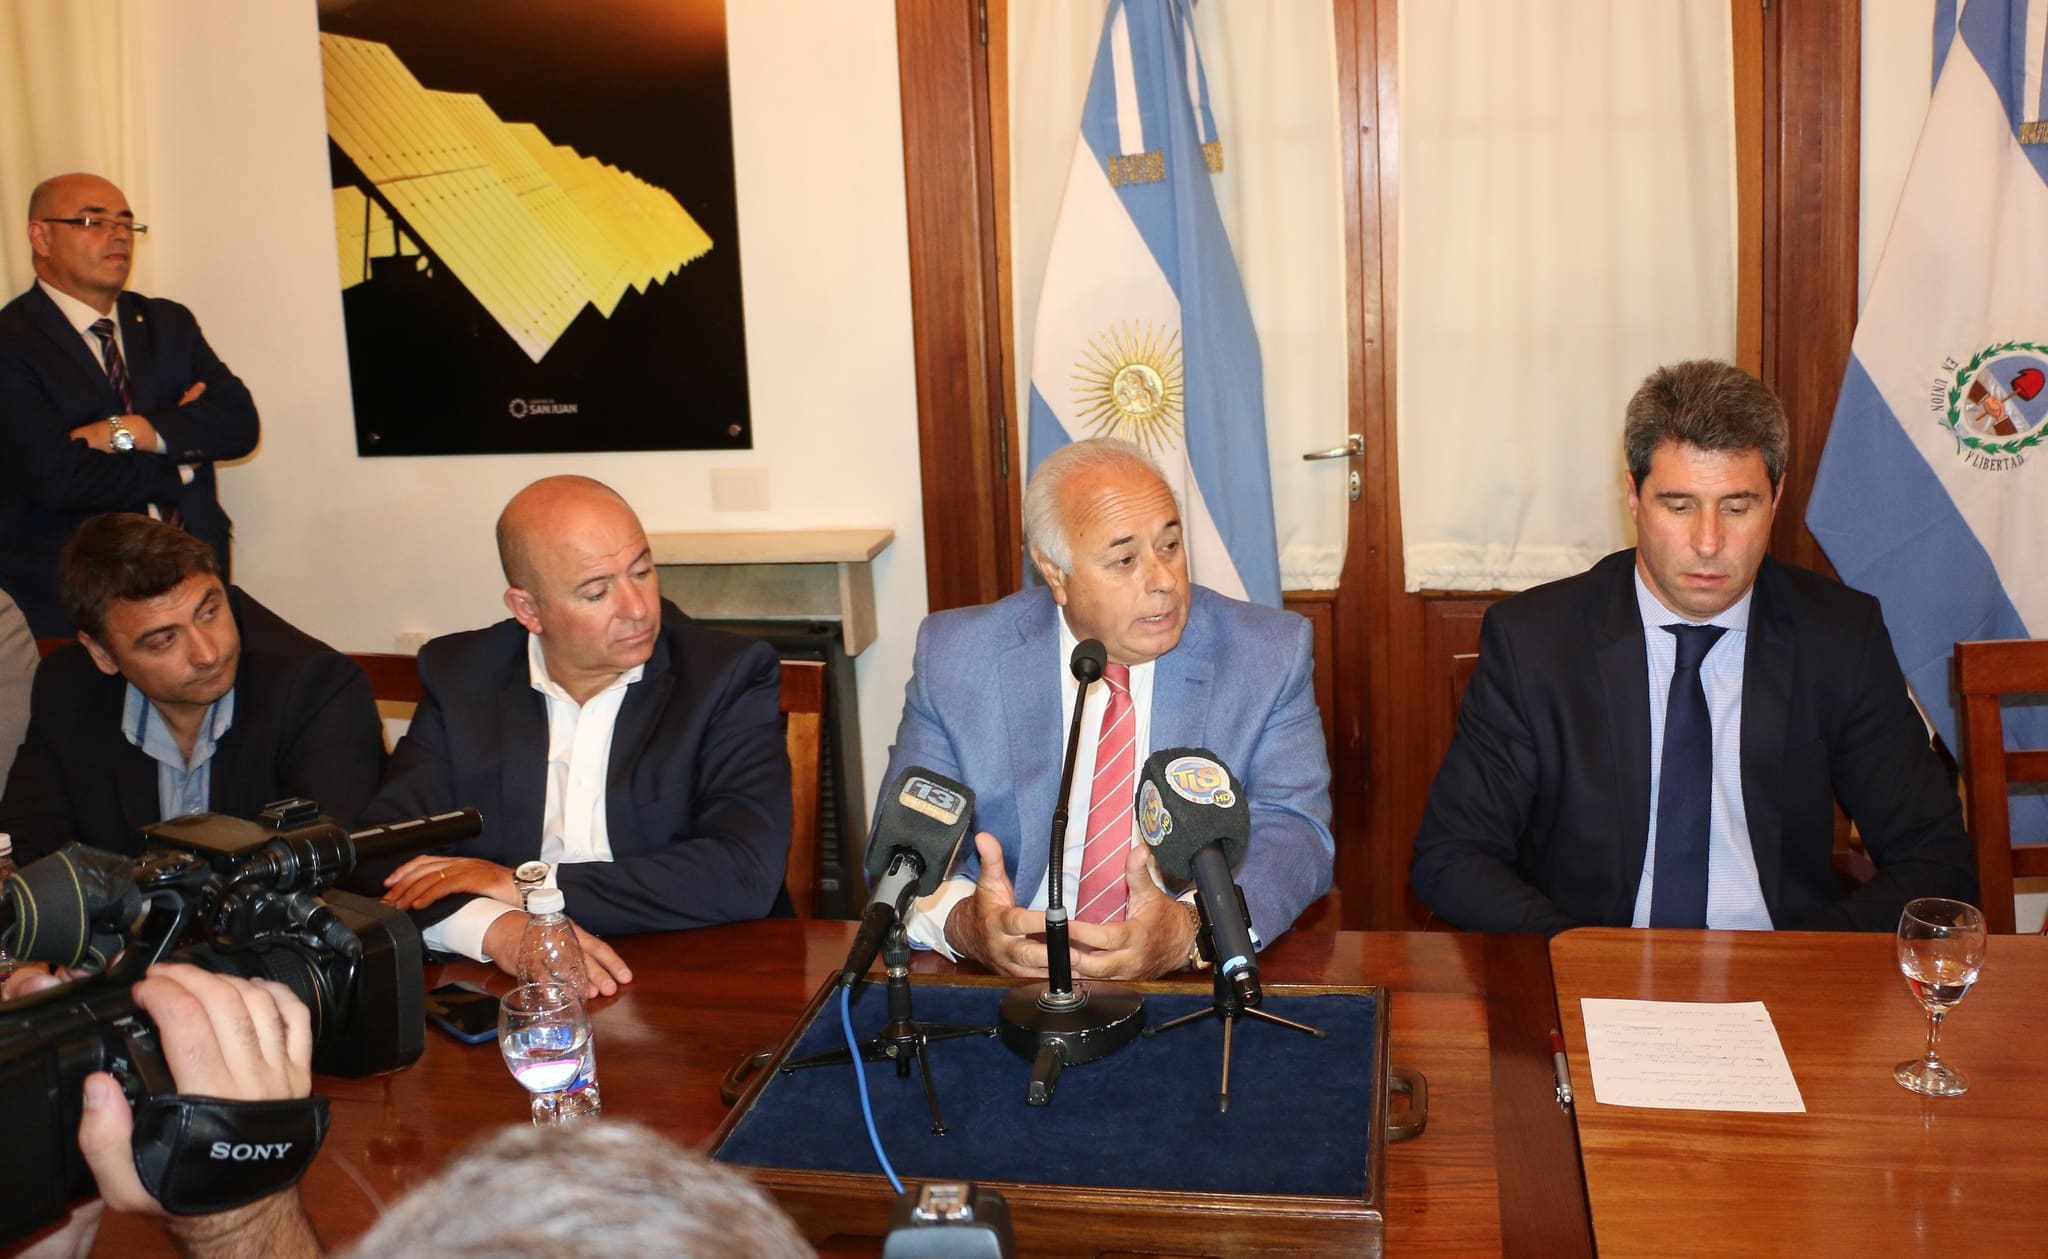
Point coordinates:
pixel 902 1039
pixel 1227 1004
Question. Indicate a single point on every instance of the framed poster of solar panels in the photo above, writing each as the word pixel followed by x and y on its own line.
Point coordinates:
pixel 535 224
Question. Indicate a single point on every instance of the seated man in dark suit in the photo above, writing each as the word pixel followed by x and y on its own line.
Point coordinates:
pixel 109 401
pixel 1660 741
pixel 182 695
pixel 635 752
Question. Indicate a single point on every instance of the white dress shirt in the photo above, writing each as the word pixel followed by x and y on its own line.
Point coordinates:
pixel 573 826
pixel 1735 897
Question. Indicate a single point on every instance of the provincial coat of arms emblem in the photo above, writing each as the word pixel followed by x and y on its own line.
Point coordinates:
pixel 1996 404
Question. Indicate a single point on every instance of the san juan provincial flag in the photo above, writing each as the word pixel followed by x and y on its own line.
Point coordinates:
pixel 1143 331
pixel 1933 489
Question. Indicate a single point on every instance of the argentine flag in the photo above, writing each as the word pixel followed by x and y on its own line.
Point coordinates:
pixel 1933 490
pixel 1143 332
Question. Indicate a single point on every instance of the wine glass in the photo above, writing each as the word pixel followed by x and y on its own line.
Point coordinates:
pixel 543 1030
pixel 1941 950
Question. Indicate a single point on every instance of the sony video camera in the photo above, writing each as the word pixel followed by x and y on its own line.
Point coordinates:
pixel 236 897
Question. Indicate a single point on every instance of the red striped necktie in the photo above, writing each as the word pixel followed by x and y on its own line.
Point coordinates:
pixel 1104 895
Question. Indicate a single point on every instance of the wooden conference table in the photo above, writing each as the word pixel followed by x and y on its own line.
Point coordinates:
pixel 1869 1169
pixel 1496 1172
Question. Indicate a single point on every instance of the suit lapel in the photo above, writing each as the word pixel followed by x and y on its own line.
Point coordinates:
pixel 1767 669
pixel 135 783
pixel 53 325
pixel 1031 721
pixel 138 348
pixel 1624 681
pixel 1181 685
pixel 523 743
pixel 645 700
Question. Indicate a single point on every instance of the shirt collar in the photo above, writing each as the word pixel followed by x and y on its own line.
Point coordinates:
pixel 1655 615
pixel 1068 642
pixel 136 712
pixel 79 315
pixel 537 673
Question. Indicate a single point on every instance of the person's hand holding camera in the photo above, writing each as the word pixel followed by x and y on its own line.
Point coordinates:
pixel 225 1037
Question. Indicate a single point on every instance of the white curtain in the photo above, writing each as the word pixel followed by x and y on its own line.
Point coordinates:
pixel 1567 222
pixel 70 100
pixel 1272 72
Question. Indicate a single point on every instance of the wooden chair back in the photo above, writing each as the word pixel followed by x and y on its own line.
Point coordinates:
pixel 395 681
pixel 44 646
pixel 1985 671
pixel 803 710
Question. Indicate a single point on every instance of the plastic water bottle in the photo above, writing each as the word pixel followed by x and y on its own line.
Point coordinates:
pixel 6 868
pixel 548 952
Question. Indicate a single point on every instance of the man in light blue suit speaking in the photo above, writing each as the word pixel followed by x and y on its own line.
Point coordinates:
pixel 991 697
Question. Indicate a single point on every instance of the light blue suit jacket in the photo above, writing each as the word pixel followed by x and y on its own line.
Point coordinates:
pixel 983 706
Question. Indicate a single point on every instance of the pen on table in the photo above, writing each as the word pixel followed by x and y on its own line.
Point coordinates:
pixel 1557 1064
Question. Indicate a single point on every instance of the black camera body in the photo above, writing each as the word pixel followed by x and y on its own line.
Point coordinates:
pixel 230 896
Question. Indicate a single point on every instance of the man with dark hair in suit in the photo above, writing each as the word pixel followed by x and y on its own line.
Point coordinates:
pixel 990 700
pixel 109 401
pixel 182 695
pixel 1661 740
pixel 637 754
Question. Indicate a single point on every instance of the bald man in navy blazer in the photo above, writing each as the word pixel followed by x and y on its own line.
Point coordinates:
pixel 71 447
pixel 985 705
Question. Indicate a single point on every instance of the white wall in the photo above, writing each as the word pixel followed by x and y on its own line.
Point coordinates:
pixel 358 550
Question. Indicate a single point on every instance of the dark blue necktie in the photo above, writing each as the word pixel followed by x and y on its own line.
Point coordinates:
pixel 1685 787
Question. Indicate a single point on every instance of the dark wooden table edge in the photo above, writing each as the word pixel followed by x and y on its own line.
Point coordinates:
pixel 1544 1212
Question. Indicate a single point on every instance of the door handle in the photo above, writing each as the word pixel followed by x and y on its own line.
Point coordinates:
pixel 1353 445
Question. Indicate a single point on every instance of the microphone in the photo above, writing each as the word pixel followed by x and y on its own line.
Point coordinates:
pixel 1053 1023
pixel 1086 664
pixel 922 824
pixel 1193 814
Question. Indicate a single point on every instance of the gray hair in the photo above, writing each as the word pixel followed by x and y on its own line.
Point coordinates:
pixel 1709 405
pixel 1044 531
pixel 589 1188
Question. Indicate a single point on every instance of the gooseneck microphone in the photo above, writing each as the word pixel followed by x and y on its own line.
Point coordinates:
pixel 1193 814
pixel 922 823
pixel 1086 664
pixel 1055 1024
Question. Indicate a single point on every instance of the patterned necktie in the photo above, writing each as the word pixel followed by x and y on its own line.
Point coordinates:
pixel 1685 787
pixel 1104 895
pixel 117 371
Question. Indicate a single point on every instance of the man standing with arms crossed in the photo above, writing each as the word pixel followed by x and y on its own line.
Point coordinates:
pixel 109 401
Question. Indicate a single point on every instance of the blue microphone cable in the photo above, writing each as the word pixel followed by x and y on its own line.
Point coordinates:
pixel 860 1077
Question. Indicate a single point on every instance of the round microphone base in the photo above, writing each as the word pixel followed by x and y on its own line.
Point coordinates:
pixel 1057 1032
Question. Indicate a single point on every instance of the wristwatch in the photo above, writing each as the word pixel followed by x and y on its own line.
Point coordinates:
pixel 1198 949
pixel 120 436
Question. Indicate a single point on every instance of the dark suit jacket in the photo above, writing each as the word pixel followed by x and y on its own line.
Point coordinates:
pixel 1539 817
pixel 50 383
pixel 305 725
pixel 696 800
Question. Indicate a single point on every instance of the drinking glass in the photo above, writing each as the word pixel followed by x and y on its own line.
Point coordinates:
pixel 1941 949
pixel 543 1030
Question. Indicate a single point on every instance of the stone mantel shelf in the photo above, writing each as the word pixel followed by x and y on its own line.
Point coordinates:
pixel 776 574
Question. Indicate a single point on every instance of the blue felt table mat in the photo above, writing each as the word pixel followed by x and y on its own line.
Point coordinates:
pixel 1301 1108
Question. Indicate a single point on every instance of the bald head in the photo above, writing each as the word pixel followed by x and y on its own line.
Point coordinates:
pixel 90 264
pixel 544 508
pixel 581 579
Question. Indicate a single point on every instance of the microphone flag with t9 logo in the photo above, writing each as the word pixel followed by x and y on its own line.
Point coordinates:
pixel 1193 815
pixel 919 830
